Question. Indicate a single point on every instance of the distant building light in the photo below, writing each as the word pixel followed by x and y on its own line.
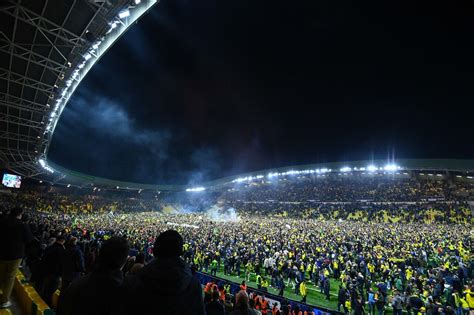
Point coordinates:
pixel 345 169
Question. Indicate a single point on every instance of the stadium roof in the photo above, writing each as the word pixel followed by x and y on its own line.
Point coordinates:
pixel 46 49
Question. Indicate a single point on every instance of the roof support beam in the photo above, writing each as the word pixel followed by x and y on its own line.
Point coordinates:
pixel 13 77
pixel 23 104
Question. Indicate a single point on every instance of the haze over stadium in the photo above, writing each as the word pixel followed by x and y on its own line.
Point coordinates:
pixel 236 158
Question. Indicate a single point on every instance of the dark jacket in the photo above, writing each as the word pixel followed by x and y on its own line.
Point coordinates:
pixel 51 262
pixel 215 308
pixel 72 263
pixel 14 236
pixel 163 286
pixel 95 293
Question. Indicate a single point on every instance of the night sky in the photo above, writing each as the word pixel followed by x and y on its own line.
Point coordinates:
pixel 199 90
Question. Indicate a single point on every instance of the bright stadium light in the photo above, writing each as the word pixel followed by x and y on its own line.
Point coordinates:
pixel 195 189
pixel 96 45
pixel 87 56
pixel 345 169
pixel 45 165
pixel 124 14
pixel 371 168
pixel 113 26
pixel 390 167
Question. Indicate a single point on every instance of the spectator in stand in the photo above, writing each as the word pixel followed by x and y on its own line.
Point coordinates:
pixel 51 269
pixel 215 307
pixel 72 263
pixel 98 292
pixel 14 237
pixel 242 305
pixel 138 264
pixel 166 283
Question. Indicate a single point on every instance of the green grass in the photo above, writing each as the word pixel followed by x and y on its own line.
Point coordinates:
pixel 314 297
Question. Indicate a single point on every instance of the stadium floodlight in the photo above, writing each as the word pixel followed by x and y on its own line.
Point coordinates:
pixel 96 45
pixel 439 175
pixel 137 1
pixel 45 165
pixel 458 176
pixel 324 170
pixel 390 167
pixel 87 56
pixel 362 169
pixel 470 177
pixel 345 169
pixel 113 25
pixel 195 189
pixel 68 185
pixel 124 14
pixel 372 168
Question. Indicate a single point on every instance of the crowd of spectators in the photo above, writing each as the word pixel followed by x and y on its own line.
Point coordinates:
pixel 385 255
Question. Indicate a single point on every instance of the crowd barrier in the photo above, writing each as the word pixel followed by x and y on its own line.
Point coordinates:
pixel 28 299
pixel 235 288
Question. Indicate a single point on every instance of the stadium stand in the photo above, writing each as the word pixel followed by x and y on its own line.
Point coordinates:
pixel 342 243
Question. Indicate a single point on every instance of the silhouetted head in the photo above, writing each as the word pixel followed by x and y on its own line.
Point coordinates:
pixel 168 244
pixel 16 212
pixel 113 253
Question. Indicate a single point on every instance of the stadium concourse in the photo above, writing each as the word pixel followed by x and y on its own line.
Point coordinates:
pixel 300 241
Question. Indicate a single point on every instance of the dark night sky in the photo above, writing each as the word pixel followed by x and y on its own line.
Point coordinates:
pixel 203 89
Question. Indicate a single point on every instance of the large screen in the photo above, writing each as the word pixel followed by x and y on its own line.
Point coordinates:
pixel 10 180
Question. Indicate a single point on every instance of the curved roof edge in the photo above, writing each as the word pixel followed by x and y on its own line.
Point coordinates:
pixel 441 165
pixel 34 100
